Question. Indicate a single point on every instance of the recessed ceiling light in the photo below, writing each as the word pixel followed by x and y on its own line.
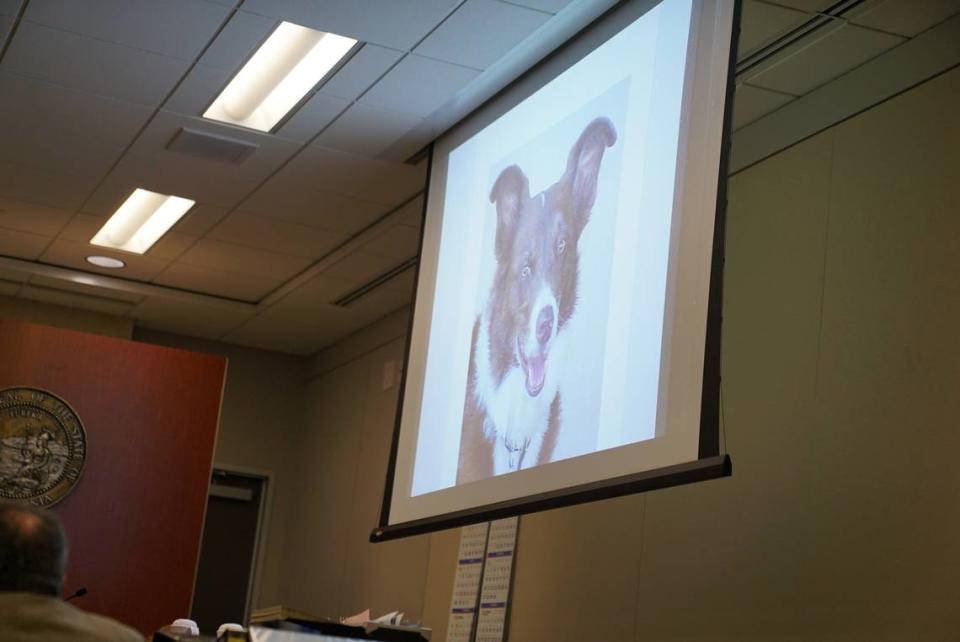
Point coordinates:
pixel 282 71
pixel 106 262
pixel 142 219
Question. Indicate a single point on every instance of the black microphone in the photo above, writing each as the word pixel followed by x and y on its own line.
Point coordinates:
pixel 80 592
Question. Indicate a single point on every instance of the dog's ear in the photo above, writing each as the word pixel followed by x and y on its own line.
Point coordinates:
pixel 509 193
pixel 583 166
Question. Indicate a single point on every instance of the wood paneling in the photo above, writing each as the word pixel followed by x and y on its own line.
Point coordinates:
pixel 150 413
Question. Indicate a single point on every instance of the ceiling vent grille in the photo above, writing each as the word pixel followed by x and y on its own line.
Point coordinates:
pixel 211 146
pixel 353 296
pixel 823 18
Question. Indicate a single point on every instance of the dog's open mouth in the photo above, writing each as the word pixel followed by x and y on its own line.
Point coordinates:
pixel 534 370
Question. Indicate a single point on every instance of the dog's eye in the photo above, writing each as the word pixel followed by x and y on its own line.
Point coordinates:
pixel 561 246
pixel 525 272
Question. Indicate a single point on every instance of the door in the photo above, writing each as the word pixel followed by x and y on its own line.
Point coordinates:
pixel 228 550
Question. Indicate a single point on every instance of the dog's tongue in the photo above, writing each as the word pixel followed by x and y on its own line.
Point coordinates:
pixel 536 373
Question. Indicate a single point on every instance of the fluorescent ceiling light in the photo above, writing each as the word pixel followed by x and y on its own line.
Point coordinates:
pixel 142 219
pixel 106 262
pixel 287 66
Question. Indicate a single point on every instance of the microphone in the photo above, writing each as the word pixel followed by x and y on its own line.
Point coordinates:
pixel 80 592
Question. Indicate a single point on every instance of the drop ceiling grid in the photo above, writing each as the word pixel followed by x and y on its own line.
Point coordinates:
pixel 173 28
pixel 113 201
pixel 43 54
pixel 779 98
pixel 318 157
pixel 281 166
pixel 871 30
pixel 44 13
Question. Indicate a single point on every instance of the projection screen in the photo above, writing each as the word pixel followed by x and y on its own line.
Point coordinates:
pixel 560 348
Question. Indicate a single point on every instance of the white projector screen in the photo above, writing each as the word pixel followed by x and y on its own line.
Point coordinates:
pixel 560 328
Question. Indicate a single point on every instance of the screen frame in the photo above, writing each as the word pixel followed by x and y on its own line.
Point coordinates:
pixel 710 464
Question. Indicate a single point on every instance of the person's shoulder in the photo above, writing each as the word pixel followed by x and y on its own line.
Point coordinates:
pixel 27 617
pixel 109 630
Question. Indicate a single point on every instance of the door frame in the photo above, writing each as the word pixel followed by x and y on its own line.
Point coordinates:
pixel 263 524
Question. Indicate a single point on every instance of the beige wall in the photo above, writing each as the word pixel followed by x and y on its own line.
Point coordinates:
pixel 841 371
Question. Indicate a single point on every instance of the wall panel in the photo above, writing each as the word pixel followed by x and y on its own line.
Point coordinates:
pixel 841 367
pixel 150 413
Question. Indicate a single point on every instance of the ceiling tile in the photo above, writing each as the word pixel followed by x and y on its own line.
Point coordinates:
pixel 6 22
pixel 402 284
pixel 94 66
pixel 275 235
pixel 44 147
pixel 360 267
pixel 147 164
pixel 358 176
pixel 361 71
pixel 761 23
pixel 82 228
pixel 480 32
pixel 398 242
pixel 392 23
pixel 281 198
pixel 292 336
pixel 22 245
pixel 550 6
pixel 200 219
pixel 311 302
pixel 178 28
pixel 82 288
pixel 367 130
pixel 750 103
pixel 28 217
pixel 197 90
pixel 188 318
pixel 171 245
pixel 238 40
pixel 69 116
pixel 240 259
pixel 313 116
pixel 809 6
pixel 376 305
pixel 13 275
pixel 411 214
pixel 436 82
pixel 75 300
pixel 36 185
pixel 72 254
pixel 815 63
pixel 906 18
pixel 243 287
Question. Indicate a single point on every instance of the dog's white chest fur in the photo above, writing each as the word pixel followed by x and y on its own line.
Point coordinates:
pixel 515 421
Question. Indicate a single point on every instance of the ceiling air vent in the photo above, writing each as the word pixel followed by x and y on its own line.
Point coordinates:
pixel 211 146
pixel 352 297
pixel 832 15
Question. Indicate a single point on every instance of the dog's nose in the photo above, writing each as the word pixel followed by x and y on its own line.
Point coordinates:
pixel 545 324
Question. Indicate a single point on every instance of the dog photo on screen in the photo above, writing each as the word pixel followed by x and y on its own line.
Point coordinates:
pixel 513 408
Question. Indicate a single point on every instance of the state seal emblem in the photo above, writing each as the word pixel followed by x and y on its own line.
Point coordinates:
pixel 43 446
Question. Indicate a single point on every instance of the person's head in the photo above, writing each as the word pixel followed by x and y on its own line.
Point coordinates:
pixel 33 550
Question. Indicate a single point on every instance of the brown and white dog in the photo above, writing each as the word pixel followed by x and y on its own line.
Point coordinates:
pixel 512 407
